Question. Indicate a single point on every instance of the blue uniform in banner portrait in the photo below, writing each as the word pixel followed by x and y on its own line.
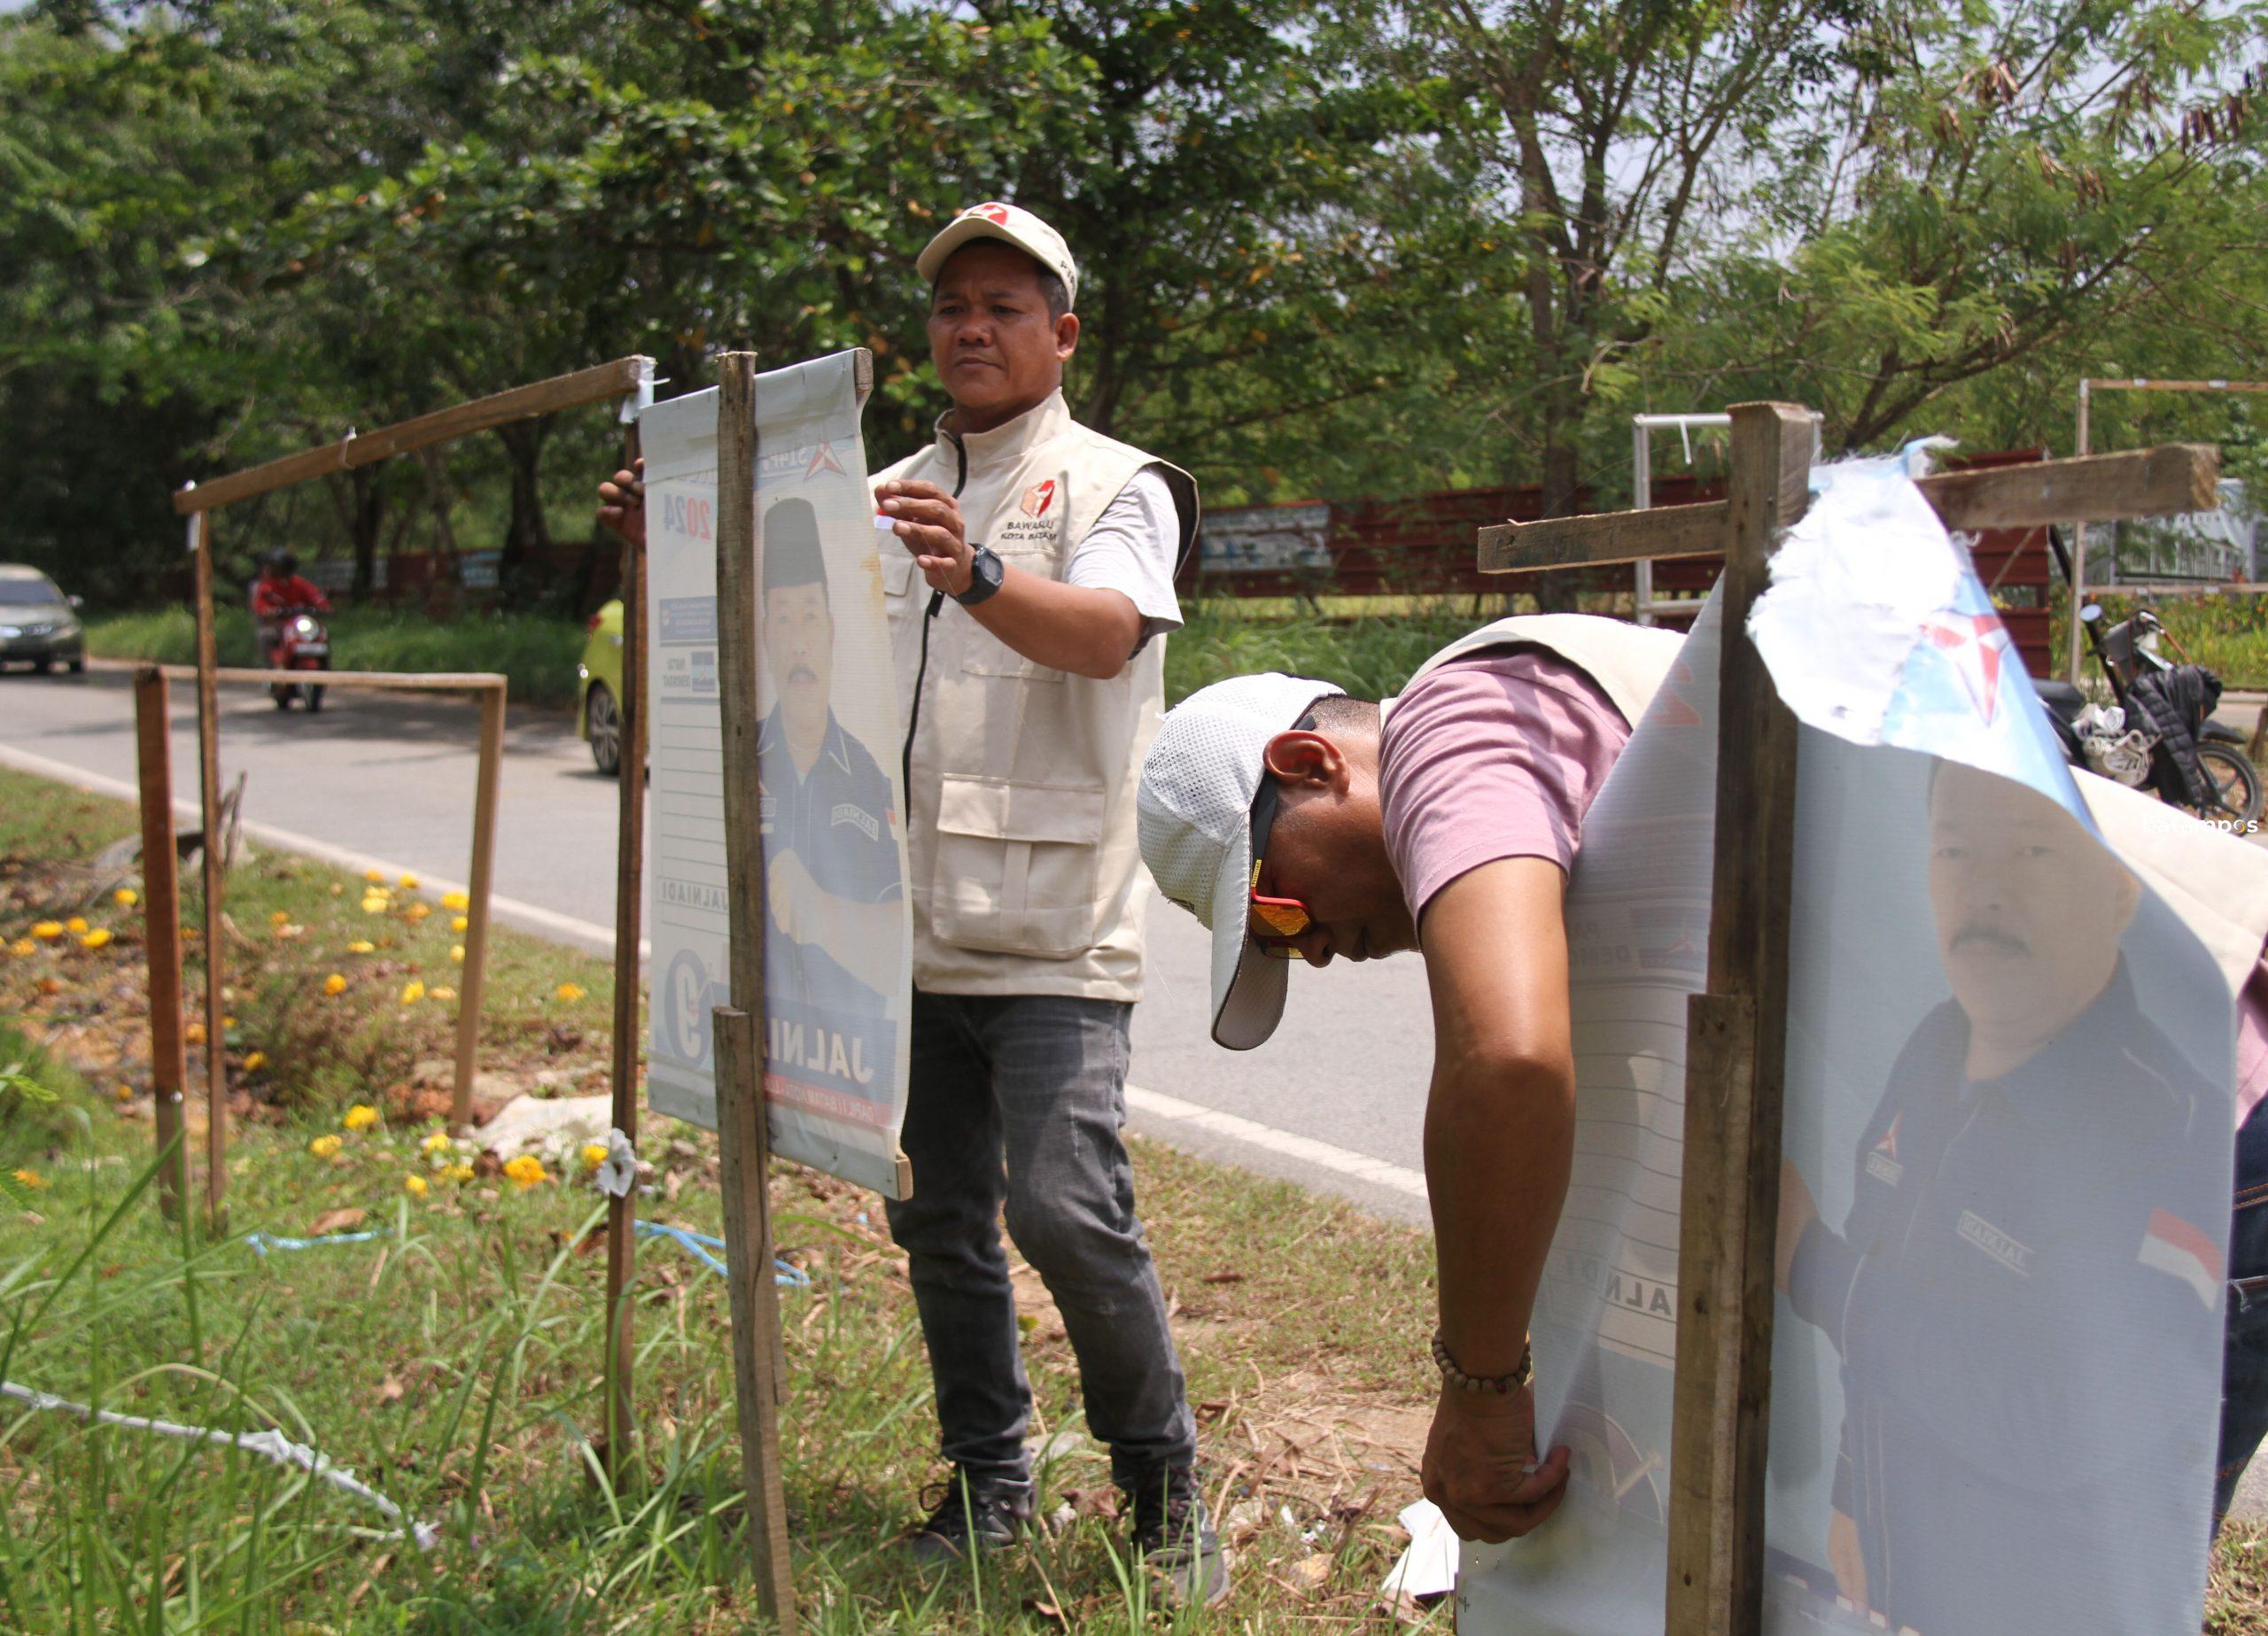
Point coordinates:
pixel 830 851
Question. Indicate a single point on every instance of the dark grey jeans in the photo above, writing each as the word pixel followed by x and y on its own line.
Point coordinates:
pixel 1018 1100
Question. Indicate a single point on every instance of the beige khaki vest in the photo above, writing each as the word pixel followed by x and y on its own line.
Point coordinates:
pixel 1020 839
pixel 2216 882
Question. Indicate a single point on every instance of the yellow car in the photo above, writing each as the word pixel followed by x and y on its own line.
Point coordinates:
pixel 598 712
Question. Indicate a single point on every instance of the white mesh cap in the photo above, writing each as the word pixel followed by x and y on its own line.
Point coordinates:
pixel 1011 225
pixel 1194 814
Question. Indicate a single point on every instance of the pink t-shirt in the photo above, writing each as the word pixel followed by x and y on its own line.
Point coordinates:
pixel 1499 754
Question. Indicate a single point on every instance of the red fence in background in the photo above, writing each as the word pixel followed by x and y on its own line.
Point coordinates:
pixel 1422 546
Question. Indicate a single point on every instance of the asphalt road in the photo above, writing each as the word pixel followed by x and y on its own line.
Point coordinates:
pixel 1334 1102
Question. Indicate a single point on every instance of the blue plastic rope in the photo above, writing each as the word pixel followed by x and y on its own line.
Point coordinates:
pixel 784 1273
pixel 262 1243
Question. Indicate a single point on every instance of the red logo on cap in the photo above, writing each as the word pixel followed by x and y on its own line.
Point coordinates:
pixel 1039 497
pixel 997 214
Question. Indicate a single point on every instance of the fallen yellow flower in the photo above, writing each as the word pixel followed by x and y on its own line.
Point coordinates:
pixel 334 984
pixel 375 905
pixel 362 1116
pixel 526 1170
pixel 255 1062
pixel 277 916
pixel 48 930
pixel 455 900
pixel 337 890
pixel 460 923
pixel 569 992
pixel 324 1147
pixel 456 953
pixel 410 883
pixel 442 994
pixel 361 945
pixel 125 898
pixel 194 1034
pixel 414 1186
pixel 459 1173
pixel 373 874
pixel 418 912
pixel 412 992
pixel 228 1022
pixel 23 946
pixel 594 1155
pixel 96 939
pixel 75 925
pixel 31 1178
pixel 438 1142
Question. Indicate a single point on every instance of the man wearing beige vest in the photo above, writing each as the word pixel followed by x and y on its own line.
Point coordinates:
pixel 1298 823
pixel 1027 611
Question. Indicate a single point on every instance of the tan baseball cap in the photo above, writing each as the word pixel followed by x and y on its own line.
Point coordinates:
pixel 1011 225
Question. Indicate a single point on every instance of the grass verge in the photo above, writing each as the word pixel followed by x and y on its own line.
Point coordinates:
pixel 452 1363
pixel 536 652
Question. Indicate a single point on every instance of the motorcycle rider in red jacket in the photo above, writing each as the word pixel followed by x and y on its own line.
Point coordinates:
pixel 280 591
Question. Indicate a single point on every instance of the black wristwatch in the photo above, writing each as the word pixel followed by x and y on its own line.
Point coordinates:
pixel 985 572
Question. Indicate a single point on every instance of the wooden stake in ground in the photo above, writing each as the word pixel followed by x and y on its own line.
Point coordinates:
pixel 629 877
pixel 208 756
pixel 757 1379
pixel 483 875
pixel 161 931
pixel 1736 1065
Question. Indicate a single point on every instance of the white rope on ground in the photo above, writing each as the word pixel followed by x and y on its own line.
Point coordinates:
pixel 272 1443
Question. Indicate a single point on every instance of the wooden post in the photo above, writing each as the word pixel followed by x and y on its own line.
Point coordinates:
pixel 1734 1070
pixel 483 873
pixel 208 756
pixel 629 879
pixel 161 931
pixel 758 1382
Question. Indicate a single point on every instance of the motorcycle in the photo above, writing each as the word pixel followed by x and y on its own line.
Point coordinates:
pixel 2159 734
pixel 301 642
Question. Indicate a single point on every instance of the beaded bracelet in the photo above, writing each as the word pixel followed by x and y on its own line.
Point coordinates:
pixel 1501 1383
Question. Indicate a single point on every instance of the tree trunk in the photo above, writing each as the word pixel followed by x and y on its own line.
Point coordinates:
pixel 361 509
pixel 527 536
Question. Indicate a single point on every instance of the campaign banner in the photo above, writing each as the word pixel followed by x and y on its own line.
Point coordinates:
pixel 2007 1141
pixel 838 926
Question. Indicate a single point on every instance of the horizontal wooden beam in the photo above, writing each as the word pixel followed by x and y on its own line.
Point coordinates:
pixel 388 681
pixel 2176 478
pixel 2167 481
pixel 2124 383
pixel 565 392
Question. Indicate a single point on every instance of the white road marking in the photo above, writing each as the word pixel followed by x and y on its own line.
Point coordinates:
pixel 599 940
pixel 1307 1149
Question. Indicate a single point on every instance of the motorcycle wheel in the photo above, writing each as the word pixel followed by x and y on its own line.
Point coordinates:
pixel 315 699
pixel 283 696
pixel 2237 783
pixel 603 721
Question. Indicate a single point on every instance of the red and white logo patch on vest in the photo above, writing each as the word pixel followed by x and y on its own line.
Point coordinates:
pixel 2172 1245
pixel 1882 1163
pixel 1039 497
pixel 997 214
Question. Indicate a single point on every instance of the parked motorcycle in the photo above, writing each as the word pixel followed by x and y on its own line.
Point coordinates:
pixel 2159 734
pixel 302 643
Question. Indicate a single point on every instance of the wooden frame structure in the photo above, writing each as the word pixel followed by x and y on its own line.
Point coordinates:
pixel 622 377
pixel 1737 1026
pixel 2088 386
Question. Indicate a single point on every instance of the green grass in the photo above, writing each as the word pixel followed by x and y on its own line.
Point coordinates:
pixel 454 1364
pixel 2226 634
pixel 537 652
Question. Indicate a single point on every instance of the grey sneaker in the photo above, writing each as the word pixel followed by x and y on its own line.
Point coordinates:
pixel 1176 1541
pixel 988 1510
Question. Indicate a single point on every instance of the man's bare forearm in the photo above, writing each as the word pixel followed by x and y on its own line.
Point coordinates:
pixel 1083 628
pixel 1499 1146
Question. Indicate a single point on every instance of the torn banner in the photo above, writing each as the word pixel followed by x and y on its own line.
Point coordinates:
pixel 2007 1138
pixel 838 941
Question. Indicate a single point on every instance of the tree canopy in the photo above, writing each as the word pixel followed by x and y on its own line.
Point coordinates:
pixel 1378 247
